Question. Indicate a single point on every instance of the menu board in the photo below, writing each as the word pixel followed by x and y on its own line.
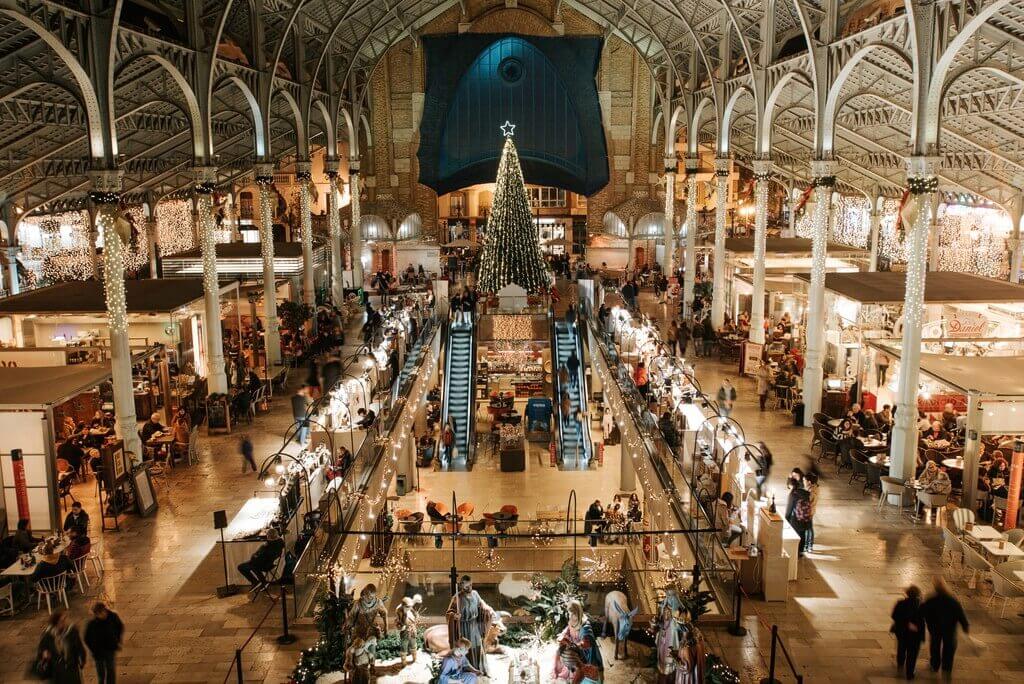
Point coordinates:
pixel 114 468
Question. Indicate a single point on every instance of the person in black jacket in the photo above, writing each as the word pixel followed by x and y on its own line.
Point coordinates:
pixel 908 628
pixel 103 637
pixel 60 648
pixel 942 613
pixel 263 560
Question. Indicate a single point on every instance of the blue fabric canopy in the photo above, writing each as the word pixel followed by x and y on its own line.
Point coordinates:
pixel 545 86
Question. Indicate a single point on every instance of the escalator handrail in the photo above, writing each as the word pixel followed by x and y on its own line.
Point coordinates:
pixel 556 382
pixel 582 387
pixel 471 399
pixel 446 349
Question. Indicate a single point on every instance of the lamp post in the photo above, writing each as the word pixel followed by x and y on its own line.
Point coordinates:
pixel 453 572
pixel 575 515
pixel 277 457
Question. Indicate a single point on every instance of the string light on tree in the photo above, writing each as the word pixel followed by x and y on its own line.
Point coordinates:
pixel 511 252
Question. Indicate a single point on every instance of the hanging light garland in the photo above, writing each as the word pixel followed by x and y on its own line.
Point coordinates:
pixel 175 231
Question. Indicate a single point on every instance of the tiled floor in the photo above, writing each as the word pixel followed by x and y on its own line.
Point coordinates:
pixel 162 572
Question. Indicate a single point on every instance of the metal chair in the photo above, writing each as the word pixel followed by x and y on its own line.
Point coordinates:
pixel 961 517
pixel 828 446
pixel 858 466
pixel 932 501
pixel 1014 536
pixel 891 486
pixel 269 579
pixel 1005 589
pixel 52 586
pixel 977 564
pixel 96 562
pixel 873 476
pixel 952 545
pixel 7 596
pixel 80 574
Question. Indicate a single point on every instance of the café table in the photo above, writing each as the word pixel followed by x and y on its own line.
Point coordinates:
pixel 1008 551
pixel 880 460
pixel 872 444
pixel 16 570
pixel 982 533
pixel 957 463
pixel 1019 574
pixel 835 422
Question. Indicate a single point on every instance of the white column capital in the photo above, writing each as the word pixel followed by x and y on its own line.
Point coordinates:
pixel 303 170
pixel 762 168
pixel 922 166
pixel 332 166
pixel 263 170
pixel 823 168
pixel 353 164
pixel 722 166
pixel 671 164
pixel 692 164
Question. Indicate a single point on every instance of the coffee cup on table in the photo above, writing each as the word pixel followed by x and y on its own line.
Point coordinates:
pixel 969 526
pixel 1001 544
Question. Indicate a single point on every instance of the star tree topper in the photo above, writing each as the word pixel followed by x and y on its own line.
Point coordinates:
pixel 508 129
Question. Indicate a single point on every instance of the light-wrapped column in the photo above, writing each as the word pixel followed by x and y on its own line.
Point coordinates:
pixel 334 225
pixel 217 381
pixel 152 243
pixel 824 181
pixel 690 258
pixel 303 178
pixel 923 185
pixel 874 239
pixel 357 229
pixel 272 336
pixel 670 217
pixel 721 200
pixel 762 172
pixel 105 198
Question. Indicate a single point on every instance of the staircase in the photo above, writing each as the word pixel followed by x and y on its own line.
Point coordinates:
pixel 574 450
pixel 459 390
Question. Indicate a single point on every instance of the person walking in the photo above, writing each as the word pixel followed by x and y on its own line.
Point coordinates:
pixel 813 491
pixel 246 449
pixel 798 511
pixel 103 634
pixel 570 317
pixel 300 403
pixel 908 628
pixel 683 337
pixel 573 365
pixel 942 613
pixel 60 656
pixel 726 397
pixel 764 380
pixel 566 406
pixel 640 378
pixel 672 337
pixel 563 376
pixel 698 338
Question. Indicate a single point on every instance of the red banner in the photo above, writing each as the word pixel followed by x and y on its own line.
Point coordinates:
pixel 20 486
pixel 936 402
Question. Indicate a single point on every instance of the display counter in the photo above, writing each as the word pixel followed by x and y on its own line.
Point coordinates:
pixel 247 532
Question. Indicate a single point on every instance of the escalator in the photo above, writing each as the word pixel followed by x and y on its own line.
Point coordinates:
pixel 574 436
pixel 459 392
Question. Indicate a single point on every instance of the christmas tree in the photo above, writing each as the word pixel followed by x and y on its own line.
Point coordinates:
pixel 511 251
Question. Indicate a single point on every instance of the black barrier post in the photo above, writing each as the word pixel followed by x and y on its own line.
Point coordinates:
pixel 285 638
pixel 736 629
pixel 770 679
pixel 238 665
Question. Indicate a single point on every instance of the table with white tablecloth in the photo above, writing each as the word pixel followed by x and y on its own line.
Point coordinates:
pixel 241 540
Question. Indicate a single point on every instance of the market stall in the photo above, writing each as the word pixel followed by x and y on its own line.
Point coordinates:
pixel 167 312
pixel 965 315
pixel 34 403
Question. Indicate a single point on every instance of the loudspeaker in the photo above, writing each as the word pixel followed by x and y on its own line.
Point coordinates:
pixel 220 520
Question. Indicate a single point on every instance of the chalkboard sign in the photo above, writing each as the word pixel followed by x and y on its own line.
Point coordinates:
pixel 218 415
pixel 114 468
pixel 142 485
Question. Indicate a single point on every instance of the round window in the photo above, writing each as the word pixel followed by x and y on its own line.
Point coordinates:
pixel 511 70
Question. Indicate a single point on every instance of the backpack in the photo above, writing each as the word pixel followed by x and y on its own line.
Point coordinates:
pixel 802 511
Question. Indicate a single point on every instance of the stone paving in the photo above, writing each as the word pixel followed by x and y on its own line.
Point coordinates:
pixel 162 571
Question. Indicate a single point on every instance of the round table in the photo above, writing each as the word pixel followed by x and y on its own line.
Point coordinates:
pixel 957 463
pixel 880 460
pixel 873 444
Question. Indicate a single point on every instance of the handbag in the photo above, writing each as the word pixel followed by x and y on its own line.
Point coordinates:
pixel 42 668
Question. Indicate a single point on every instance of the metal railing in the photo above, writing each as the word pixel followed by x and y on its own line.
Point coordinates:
pixel 338 510
pixel 710 555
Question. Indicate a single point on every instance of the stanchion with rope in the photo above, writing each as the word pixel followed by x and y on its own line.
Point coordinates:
pixel 736 629
pixel 286 637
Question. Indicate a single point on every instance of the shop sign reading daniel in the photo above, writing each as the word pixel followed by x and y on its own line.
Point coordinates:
pixel 966 324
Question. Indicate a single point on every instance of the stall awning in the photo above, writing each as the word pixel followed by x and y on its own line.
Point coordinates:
pixel 86 297
pixel 988 376
pixel 48 385
pixel 941 287
pixel 790 246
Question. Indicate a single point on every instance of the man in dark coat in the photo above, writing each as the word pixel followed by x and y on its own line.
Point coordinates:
pixel 942 613
pixel 908 628
pixel 103 636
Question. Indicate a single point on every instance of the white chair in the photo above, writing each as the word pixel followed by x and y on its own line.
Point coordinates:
pixel 977 564
pixel 932 501
pixel 961 517
pixel 953 546
pixel 1014 536
pixel 1005 589
pixel 7 596
pixel 80 574
pixel 52 586
pixel 96 562
pixel 891 486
